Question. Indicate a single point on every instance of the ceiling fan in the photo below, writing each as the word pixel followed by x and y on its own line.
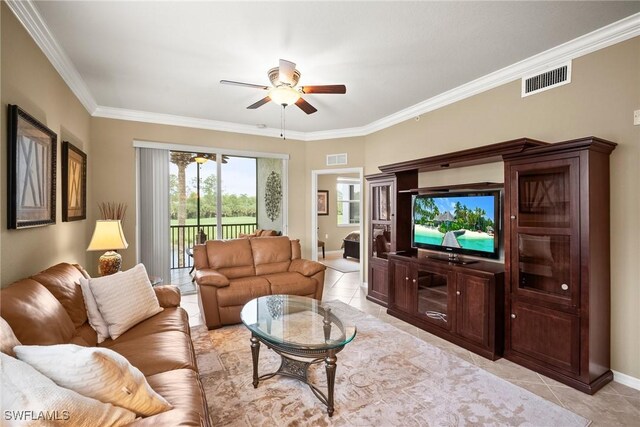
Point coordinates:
pixel 284 91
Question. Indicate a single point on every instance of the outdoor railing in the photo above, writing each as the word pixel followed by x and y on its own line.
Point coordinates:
pixel 183 237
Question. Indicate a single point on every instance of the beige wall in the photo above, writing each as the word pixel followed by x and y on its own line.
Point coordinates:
pixel 600 100
pixel 316 152
pixel 113 165
pixel 30 81
pixel 328 224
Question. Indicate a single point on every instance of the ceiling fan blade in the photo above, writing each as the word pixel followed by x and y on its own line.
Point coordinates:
pixel 259 103
pixel 285 72
pixel 324 89
pixel 305 106
pixel 229 82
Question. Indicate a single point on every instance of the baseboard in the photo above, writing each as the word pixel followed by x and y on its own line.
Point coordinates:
pixel 627 380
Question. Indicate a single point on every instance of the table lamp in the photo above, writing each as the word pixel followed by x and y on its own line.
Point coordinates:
pixel 108 236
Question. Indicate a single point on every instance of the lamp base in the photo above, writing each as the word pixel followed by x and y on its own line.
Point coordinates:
pixel 109 263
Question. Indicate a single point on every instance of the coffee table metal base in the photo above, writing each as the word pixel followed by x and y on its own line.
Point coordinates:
pixel 298 369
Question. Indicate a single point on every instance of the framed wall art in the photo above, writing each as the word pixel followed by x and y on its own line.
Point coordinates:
pixel 323 202
pixel 74 183
pixel 31 169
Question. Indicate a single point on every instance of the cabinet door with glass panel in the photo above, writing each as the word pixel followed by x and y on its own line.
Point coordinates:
pixel 381 212
pixel 545 231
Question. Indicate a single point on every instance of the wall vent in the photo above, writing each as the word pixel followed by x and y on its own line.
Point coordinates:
pixel 336 159
pixel 546 80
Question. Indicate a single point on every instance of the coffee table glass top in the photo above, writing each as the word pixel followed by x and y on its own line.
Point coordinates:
pixel 296 322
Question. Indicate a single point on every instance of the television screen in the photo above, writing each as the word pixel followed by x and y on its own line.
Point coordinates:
pixel 464 223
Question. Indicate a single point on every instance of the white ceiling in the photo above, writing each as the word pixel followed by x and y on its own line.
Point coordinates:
pixel 168 57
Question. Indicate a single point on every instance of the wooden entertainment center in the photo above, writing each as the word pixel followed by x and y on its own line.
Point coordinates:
pixel 547 307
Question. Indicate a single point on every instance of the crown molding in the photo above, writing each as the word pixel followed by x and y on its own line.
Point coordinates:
pixel 617 32
pixel 28 15
pixel 192 122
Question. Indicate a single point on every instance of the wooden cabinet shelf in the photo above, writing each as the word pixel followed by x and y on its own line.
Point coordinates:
pixel 548 306
pixel 459 187
pixel 460 304
pixel 557 261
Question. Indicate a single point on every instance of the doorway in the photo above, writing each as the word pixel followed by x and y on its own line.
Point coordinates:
pixel 337 219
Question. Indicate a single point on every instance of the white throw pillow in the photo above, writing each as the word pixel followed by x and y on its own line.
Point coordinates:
pixel 95 372
pixel 125 299
pixel 93 314
pixel 31 399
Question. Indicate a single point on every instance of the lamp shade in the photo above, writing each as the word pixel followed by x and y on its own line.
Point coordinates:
pixel 108 236
pixel 284 95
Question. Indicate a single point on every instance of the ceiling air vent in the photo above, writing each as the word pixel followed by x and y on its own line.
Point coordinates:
pixel 546 80
pixel 336 159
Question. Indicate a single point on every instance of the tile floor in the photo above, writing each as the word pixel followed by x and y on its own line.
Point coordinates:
pixel 614 405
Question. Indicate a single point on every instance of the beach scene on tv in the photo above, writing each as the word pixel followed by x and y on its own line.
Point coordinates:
pixel 465 222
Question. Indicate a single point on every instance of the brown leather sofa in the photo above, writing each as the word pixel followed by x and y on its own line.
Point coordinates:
pixel 230 273
pixel 48 308
pixel 261 233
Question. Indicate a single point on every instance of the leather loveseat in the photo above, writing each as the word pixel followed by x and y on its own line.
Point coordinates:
pixel 230 273
pixel 48 308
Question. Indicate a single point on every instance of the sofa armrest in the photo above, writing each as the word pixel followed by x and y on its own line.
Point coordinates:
pixel 168 295
pixel 209 277
pixel 306 267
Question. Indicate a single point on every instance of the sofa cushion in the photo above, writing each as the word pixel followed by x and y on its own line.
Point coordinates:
pixel 63 281
pixel 241 291
pixel 271 254
pixel 181 388
pixel 87 334
pixel 170 319
pixel 155 353
pixel 99 373
pixel 296 250
pixel 34 314
pixel 8 339
pixel 291 283
pixel 26 391
pixel 231 258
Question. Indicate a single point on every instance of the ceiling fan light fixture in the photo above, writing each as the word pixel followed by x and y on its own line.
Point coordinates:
pixel 200 158
pixel 284 95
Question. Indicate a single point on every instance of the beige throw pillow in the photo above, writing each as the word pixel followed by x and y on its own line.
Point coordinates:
pixel 125 299
pixel 95 372
pixel 93 314
pixel 31 399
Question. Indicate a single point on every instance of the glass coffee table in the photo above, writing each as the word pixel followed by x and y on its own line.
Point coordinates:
pixel 297 328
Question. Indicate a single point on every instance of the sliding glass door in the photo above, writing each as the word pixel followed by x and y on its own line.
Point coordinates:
pixel 216 196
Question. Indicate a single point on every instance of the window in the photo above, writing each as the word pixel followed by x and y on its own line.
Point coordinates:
pixel 348 191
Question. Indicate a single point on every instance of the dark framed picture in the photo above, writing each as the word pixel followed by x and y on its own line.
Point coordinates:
pixel 74 183
pixel 323 202
pixel 31 169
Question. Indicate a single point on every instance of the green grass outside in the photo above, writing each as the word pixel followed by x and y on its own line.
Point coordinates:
pixel 229 232
pixel 225 220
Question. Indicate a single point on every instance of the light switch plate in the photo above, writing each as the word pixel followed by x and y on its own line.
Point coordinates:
pixel 636 117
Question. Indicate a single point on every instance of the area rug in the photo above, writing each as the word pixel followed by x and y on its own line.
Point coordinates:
pixel 385 377
pixel 343 265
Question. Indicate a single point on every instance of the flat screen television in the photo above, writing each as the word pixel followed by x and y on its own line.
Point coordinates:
pixel 461 223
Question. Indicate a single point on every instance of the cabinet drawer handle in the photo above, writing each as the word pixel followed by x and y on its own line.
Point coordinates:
pixel 414 280
pixel 457 292
pixel 564 287
pixel 513 217
pixel 513 315
pixel 406 278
